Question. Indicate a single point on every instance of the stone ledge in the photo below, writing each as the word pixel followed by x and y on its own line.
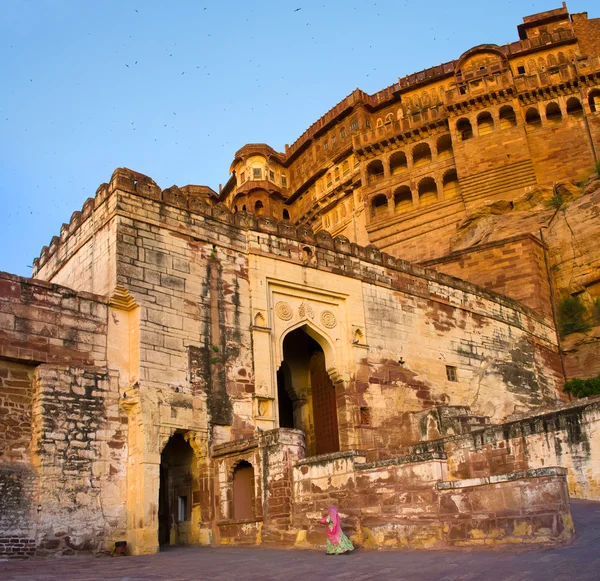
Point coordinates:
pixel 470 482
pixel 234 447
pixel 242 521
pixel 412 459
pixel 322 458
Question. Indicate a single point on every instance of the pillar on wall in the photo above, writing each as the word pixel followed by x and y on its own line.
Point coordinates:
pixel 280 449
pixel 143 479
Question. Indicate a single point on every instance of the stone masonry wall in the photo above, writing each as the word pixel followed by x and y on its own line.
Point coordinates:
pixel 42 322
pixel 189 273
pixel 568 436
pixel 514 267
pixel 80 453
pixel 406 502
pixel 83 256
pixel 18 509
pixel 15 411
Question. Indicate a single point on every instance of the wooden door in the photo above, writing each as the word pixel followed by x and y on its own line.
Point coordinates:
pixel 324 407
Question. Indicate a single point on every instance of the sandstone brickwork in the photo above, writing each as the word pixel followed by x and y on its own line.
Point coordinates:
pixel 218 368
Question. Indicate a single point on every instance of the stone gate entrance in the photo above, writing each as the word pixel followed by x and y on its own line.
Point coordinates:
pixel 306 395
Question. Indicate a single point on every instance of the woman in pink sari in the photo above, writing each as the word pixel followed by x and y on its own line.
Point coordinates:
pixel 337 542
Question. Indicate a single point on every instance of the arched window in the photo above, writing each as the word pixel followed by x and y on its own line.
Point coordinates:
pixel 427 189
pixel 243 491
pixel 374 171
pixel 389 118
pixel 562 59
pixel 286 214
pixel 403 201
pixel 553 113
pixel 552 62
pixel 399 114
pixel 444 147
pixel 464 130
pixel 398 162
pixel 574 107
pixel 541 64
pixel 533 119
pixel 594 100
pixel 508 118
pixel 380 122
pixel 244 208
pixel 450 184
pixel 485 123
pixel 532 67
pixel 379 205
pixel 259 208
pixel 421 155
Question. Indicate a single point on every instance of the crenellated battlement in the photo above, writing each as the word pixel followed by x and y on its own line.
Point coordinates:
pixel 283 240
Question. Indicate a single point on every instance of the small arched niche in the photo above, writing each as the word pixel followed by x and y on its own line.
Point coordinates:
pixel 379 206
pixel 450 184
pixel 464 130
pixel 574 108
pixel 444 147
pixel 398 163
pixel 594 100
pixel 485 123
pixel 553 113
pixel 533 119
pixel 374 171
pixel 421 155
pixel 507 116
pixel 428 193
pixel 403 201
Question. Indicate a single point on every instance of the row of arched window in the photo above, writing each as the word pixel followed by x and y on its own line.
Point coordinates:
pixel 421 155
pixel 507 117
pixel 533 65
pixel 258 209
pixel 404 199
pixel 485 123
pixel 553 113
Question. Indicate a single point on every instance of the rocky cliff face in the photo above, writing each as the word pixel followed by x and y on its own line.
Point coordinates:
pixel 567 219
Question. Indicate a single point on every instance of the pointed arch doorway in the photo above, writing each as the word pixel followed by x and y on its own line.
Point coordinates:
pixel 306 396
pixel 175 492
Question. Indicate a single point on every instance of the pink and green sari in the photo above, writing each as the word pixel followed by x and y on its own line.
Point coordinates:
pixel 337 542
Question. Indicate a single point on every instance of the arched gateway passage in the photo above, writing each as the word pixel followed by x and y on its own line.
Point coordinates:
pixel 175 493
pixel 306 395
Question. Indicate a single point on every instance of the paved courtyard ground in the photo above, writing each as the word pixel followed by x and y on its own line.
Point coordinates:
pixel 579 561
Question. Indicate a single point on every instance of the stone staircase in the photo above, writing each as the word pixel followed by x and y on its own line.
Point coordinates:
pixel 500 180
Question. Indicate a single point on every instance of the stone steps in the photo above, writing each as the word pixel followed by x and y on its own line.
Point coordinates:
pixel 498 181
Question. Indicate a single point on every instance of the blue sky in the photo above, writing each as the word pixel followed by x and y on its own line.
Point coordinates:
pixel 173 89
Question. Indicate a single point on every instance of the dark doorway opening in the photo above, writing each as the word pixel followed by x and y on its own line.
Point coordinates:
pixel 286 405
pixel 306 394
pixel 175 492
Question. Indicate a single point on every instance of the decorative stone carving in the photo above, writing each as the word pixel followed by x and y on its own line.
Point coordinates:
pixel 284 311
pixel 305 311
pixel 328 319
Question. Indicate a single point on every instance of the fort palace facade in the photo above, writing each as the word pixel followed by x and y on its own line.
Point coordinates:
pixel 367 319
